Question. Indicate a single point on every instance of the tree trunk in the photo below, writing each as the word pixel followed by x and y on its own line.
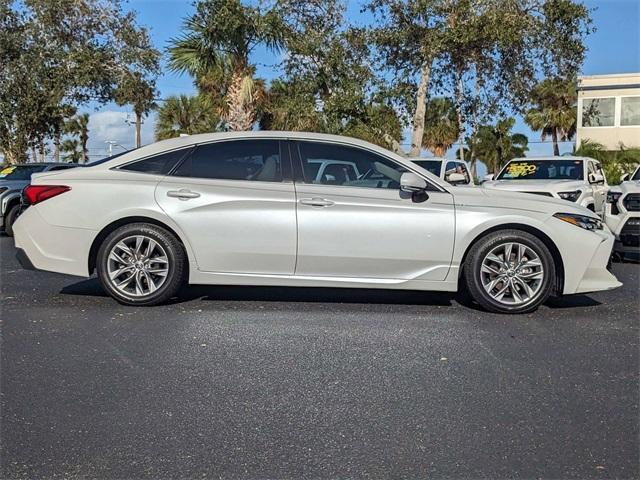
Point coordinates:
pixel 421 105
pixel 138 129
pixel 241 113
pixel 56 147
pixel 554 136
pixel 459 100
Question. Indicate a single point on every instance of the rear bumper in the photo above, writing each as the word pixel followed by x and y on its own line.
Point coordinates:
pixel 52 248
pixel 23 260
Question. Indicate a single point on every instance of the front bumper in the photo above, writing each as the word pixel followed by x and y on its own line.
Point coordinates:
pixel 596 276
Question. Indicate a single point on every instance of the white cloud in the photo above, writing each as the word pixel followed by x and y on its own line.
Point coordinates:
pixel 111 125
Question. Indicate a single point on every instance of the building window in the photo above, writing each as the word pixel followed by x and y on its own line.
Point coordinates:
pixel 598 112
pixel 630 111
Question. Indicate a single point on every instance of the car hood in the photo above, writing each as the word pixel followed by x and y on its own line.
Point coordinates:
pixel 630 186
pixel 512 200
pixel 535 185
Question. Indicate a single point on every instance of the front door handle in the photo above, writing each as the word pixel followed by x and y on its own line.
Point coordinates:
pixel 182 194
pixel 317 202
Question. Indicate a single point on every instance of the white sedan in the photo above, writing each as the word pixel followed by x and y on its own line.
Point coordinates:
pixel 248 208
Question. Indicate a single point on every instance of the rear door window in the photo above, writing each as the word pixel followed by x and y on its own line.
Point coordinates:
pixel 249 160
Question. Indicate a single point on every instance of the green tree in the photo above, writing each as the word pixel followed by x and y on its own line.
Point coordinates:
pixel 496 46
pixel 79 126
pixel 495 144
pixel 554 112
pixel 328 85
pixel 441 126
pixel 140 93
pixel 216 47
pixel 185 115
pixel 87 44
pixel 72 150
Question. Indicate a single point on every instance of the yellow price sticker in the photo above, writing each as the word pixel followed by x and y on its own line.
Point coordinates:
pixel 6 171
pixel 521 169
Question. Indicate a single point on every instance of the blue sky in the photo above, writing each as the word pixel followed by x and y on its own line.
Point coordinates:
pixel 613 48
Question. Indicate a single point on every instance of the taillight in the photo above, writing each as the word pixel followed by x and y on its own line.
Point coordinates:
pixel 39 193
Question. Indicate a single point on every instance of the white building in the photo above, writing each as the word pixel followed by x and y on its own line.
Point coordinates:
pixel 609 110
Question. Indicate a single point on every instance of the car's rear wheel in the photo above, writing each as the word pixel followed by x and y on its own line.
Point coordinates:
pixel 141 264
pixel 509 271
pixel 10 219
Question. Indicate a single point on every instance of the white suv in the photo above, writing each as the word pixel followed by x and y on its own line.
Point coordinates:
pixel 454 172
pixel 577 179
pixel 622 213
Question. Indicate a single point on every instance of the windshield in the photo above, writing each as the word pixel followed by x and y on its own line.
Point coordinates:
pixel 20 172
pixel 636 174
pixel 432 166
pixel 542 170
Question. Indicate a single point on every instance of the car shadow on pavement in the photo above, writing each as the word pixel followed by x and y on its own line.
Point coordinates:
pixel 92 287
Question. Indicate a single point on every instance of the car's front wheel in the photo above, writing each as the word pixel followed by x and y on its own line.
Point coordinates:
pixel 141 264
pixel 509 271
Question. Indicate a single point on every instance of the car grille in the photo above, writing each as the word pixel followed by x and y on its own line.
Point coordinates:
pixel 630 233
pixel 545 194
pixel 632 202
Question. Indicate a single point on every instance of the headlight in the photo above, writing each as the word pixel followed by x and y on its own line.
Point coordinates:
pixel 582 221
pixel 613 197
pixel 571 196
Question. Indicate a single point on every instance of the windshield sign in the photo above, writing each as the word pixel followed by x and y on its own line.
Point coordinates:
pixel 432 166
pixel 542 170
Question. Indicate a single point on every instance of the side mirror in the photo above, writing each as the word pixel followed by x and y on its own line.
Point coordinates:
pixel 596 178
pixel 488 178
pixel 411 183
pixel 624 178
pixel 454 178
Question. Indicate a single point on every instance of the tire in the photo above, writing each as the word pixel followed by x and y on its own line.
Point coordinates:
pixel 10 219
pixel 513 287
pixel 135 276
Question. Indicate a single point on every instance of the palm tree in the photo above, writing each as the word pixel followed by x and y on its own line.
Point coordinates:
pixel 554 112
pixel 441 126
pixel 79 125
pixel 215 50
pixel 185 115
pixel 70 147
pixel 495 145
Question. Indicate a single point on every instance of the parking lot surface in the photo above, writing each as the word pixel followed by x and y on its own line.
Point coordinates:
pixel 242 382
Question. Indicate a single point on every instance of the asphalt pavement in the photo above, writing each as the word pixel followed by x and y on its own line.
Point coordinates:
pixel 248 382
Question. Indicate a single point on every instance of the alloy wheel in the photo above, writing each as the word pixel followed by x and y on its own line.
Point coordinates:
pixel 512 274
pixel 137 266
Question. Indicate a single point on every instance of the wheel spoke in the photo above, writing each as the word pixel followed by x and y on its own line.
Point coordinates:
pixel 126 281
pixel 507 252
pixel 528 290
pixel 120 271
pixel 151 246
pixel 488 269
pixel 117 258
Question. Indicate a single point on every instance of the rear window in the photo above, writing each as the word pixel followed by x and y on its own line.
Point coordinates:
pixel 158 164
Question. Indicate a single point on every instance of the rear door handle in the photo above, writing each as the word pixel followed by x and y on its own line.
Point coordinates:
pixel 182 194
pixel 317 202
